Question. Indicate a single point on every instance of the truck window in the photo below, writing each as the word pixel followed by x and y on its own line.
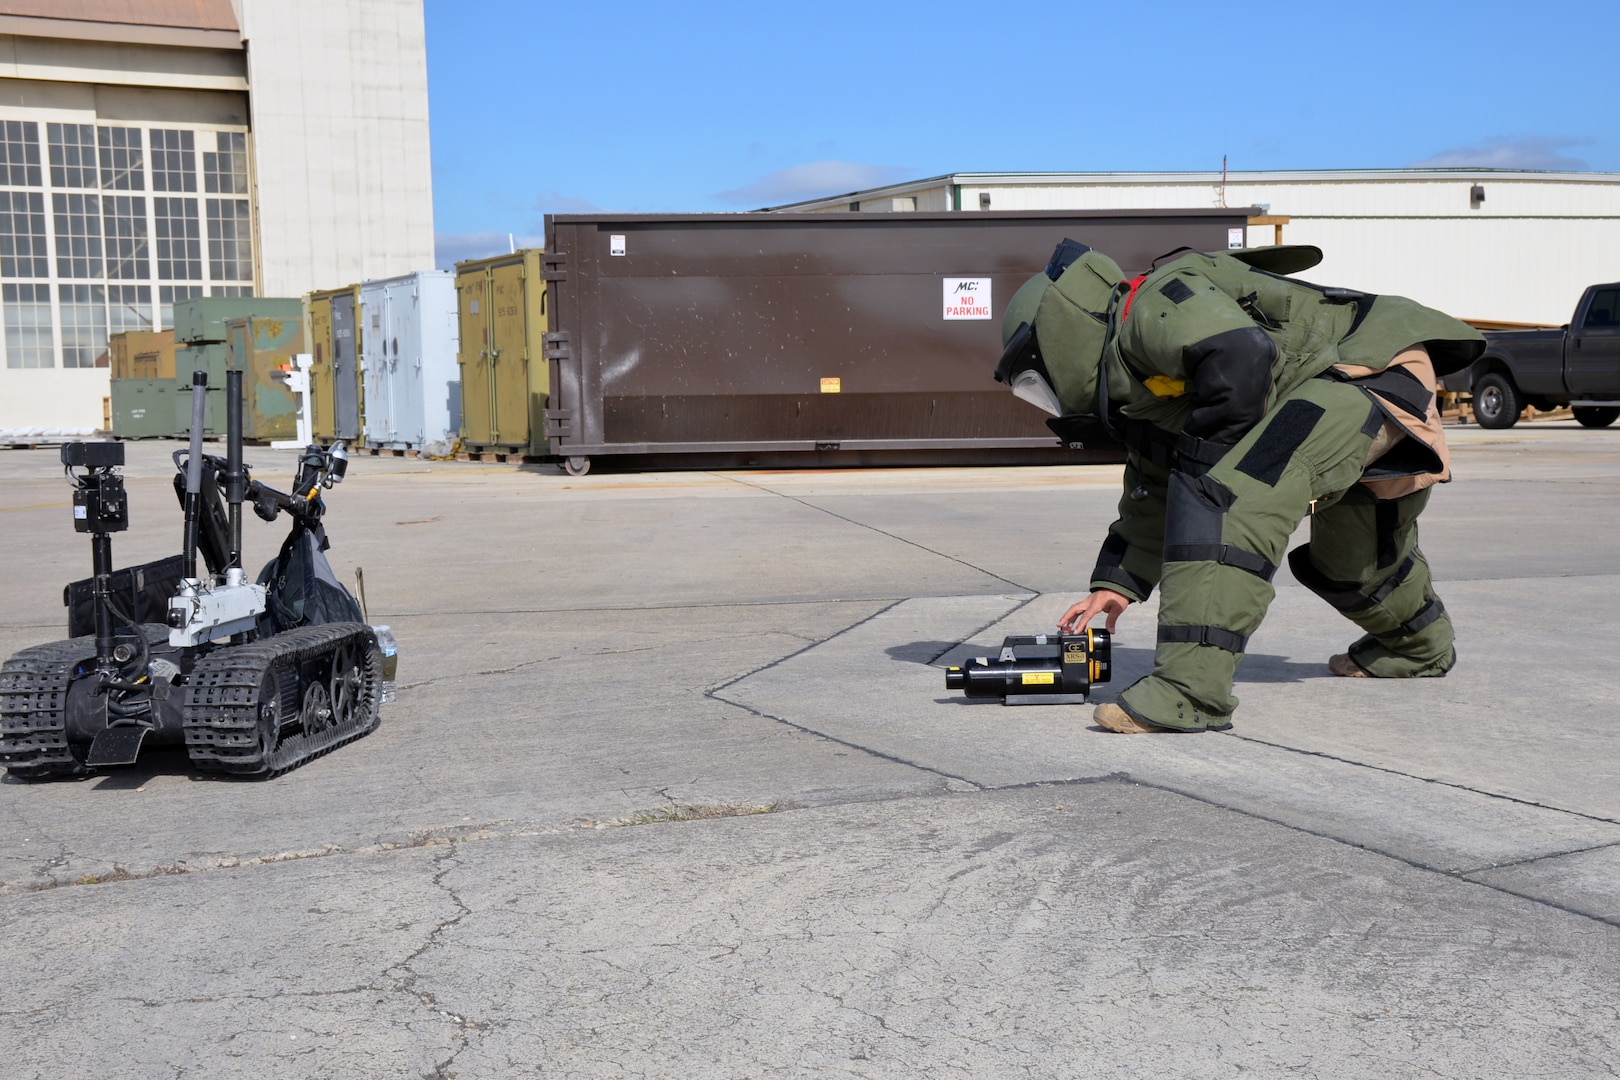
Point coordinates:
pixel 1604 311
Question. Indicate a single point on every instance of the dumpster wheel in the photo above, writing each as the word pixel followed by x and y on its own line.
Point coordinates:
pixel 577 466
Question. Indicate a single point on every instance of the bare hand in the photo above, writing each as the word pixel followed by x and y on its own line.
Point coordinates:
pixel 1102 600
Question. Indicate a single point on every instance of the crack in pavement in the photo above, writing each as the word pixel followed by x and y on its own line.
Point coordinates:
pixel 689 643
pixel 423 838
pixel 465 1027
pixel 475 674
pixel 283 995
pixel 531 663
pixel 611 608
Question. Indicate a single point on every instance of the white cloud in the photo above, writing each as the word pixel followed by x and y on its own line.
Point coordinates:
pixel 451 248
pixel 818 179
pixel 558 203
pixel 1509 152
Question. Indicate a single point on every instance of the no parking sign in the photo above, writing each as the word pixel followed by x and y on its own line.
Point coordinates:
pixel 967 298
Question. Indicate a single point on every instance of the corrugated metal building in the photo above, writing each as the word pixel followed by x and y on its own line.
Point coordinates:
pixel 1478 243
pixel 157 150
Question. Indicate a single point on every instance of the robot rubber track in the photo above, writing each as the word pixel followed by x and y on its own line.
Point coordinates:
pixel 33 709
pixel 252 710
pixel 269 706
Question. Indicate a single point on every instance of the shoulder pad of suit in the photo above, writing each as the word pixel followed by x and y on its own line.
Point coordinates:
pixel 1283 259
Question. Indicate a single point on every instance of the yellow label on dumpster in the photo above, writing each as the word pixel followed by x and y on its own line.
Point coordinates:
pixel 1038 678
pixel 832 386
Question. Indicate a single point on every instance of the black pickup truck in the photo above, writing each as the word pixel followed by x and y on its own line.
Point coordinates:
pixel 1576 365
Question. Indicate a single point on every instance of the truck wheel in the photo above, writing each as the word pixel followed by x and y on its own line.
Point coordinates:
pixel 1497 402
pixel 1596 415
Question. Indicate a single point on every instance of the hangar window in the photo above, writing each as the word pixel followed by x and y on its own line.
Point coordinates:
pixel 179 243
pixel 230 240
pixel 225 171
pixel 78 235
pixel 123 166
pixel 129 307
pixel 170 295
pixel 28 326
pixel 84 325
pixel 22 235
pixel 73 155
pixel 124 227
pixel 19 153
pixel 174 160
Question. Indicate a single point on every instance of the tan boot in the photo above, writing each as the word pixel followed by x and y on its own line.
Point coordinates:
pixel 1114 718
pixel 1343 665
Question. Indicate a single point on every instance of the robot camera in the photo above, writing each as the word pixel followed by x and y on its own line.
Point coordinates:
pixel 93 455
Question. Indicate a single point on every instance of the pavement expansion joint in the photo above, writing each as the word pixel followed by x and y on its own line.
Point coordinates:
pixel 978 630
pixel 1534 859
pixel 881 532
pixel 713 692
pixel 1337 759
pixel 1415 864
pixel 879 754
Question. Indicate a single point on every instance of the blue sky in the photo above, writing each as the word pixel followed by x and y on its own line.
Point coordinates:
pixel 540 107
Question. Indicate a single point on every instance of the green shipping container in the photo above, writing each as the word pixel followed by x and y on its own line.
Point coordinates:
pixel 141 392
pixel 204 319
pixel 142 408
pixel 505 378
pixel 213 359
pixel 263 348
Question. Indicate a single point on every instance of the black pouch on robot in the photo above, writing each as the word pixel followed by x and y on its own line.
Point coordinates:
pixel 303 590
pixel 141 592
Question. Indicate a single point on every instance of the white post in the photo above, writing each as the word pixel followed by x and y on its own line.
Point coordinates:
pixel 298 382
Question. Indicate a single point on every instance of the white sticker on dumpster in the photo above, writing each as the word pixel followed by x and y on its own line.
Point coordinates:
pixel 616 244
pixel 967 298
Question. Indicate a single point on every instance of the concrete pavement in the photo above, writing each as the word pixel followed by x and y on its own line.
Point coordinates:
pixel 673 787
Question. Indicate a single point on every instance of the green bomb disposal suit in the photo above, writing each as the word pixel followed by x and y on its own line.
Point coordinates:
pixel 1246 399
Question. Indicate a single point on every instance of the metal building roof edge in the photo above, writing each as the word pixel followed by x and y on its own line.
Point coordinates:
pixel 1279 175
pixel 1033 179
pixel 119 33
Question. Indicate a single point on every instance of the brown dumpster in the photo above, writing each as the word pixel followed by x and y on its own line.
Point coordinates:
pixel 838 338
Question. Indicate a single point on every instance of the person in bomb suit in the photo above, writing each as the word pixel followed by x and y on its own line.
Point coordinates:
pixel 1245 399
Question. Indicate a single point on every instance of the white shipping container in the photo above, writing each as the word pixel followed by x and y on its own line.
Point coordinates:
pixel 408 371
